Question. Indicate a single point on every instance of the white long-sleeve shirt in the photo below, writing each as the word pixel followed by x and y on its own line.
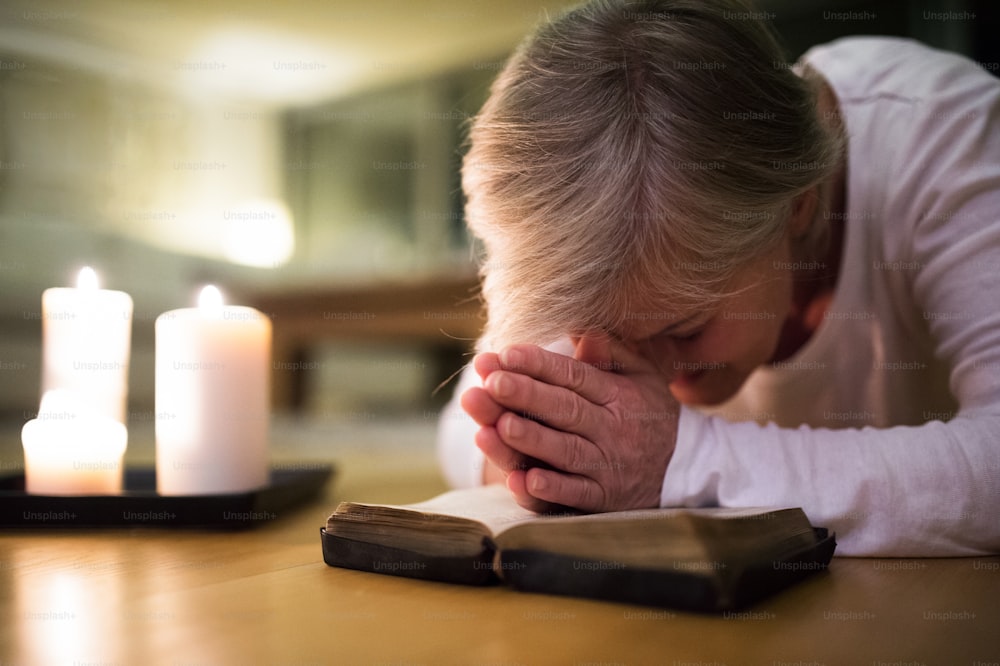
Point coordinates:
pixel 885 426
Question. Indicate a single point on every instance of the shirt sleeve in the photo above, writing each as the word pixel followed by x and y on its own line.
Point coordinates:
pixel 909 491
pixel 459 458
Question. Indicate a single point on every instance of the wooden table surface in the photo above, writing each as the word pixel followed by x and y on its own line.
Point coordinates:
pixel 264 596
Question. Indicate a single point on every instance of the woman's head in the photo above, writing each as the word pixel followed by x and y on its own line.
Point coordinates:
pixel 632 158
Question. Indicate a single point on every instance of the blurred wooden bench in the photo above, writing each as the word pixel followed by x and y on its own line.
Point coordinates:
pixel 444 315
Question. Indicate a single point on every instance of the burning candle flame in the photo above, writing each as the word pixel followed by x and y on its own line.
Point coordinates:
pixel 87 279
pixel 210 297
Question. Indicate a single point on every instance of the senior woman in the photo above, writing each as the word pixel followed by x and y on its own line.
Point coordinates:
pixel 713 279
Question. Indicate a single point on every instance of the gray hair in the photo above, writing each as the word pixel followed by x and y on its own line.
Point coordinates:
pixel 636 155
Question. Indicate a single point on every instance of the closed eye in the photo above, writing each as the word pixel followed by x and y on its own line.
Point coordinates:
pixel 688 337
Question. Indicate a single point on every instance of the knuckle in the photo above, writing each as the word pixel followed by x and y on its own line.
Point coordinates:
pixel 576 459
pixel 575 374
pixel 574 414
pixel 591 496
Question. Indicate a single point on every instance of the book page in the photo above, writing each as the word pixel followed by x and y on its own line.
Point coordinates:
pixel 454 523
pixel 491 505
pixel 715 512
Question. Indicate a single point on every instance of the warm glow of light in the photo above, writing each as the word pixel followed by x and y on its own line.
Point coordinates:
pixel 72 450
pixel 267 66
pixel 87 278
pixel 210 297
pixel 259 233
pixel 64 594
pixel 57 402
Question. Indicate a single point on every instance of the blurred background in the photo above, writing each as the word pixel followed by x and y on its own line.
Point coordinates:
pixel 301 155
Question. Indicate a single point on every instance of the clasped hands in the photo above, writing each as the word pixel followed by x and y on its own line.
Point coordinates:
pixel 593 432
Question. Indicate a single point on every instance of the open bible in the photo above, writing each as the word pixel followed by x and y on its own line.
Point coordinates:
pixel 710 559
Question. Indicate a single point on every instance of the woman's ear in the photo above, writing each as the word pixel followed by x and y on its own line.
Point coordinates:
pixel 803 212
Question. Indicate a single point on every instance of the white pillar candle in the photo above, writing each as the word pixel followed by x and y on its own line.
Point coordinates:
pixel 86 339
pixel 71 450
pixel 212 398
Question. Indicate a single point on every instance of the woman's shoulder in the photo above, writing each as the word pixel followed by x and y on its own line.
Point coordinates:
pixel 860 67
pixel 922 124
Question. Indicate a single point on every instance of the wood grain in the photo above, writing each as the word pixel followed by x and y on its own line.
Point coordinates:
pixel 265 597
